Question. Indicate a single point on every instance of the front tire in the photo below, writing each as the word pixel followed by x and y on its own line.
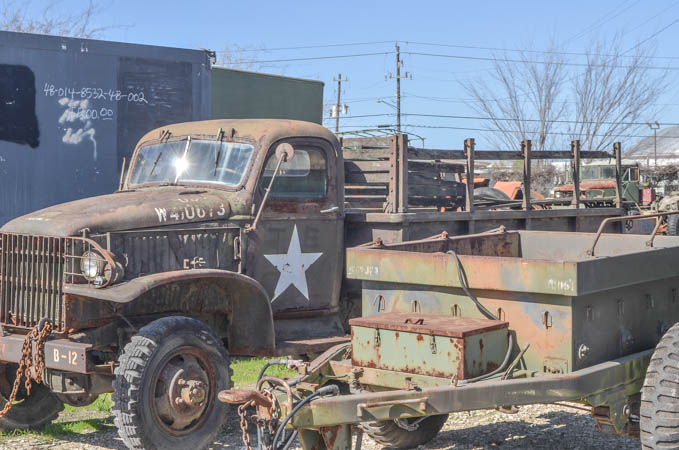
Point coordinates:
pixel 393 434
pixel 659 413
pixel 30 411
pixel 167 383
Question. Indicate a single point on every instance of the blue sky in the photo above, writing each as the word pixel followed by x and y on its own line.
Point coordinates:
pixel 435 87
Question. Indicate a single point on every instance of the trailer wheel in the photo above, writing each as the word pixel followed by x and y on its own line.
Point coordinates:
pixel 29 411
pixel 405 433
pixel 165 390
pixel 659 413
pixel 673 225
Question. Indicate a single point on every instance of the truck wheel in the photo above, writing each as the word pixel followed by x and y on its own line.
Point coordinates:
pixel 405 433
pixel 659 413
pixel 29 411
pixel 673 225
pixel 166 385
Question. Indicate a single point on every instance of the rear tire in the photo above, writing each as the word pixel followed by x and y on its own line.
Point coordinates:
pixel 659 413
pixel 31 411
pixel 673 225
pixel 389 434
pixel 166 386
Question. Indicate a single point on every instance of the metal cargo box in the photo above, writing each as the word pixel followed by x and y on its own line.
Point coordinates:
pixel 428 344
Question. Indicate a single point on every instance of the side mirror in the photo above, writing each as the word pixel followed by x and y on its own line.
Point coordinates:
pixel 285 151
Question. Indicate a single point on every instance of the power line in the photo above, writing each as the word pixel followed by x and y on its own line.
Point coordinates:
pixel 356 55
pixel 493 130
pixel 472 100
pixel 519 61
pixel 302 47
pixel 507 119
pixel 617 11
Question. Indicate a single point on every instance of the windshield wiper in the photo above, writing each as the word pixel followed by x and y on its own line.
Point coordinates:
pixel 218 155
pixel 155 163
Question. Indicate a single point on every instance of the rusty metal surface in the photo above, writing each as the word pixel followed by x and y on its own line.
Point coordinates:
pixel 429 324
pixel 536 262
pixel 588 185
pixel 606 381
pixel 440 346
pixel 61 354
pixel 574 310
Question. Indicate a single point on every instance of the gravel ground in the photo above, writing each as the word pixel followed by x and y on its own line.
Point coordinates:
pixel 533 427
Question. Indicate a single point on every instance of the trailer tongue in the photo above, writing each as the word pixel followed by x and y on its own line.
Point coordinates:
pixel 485 321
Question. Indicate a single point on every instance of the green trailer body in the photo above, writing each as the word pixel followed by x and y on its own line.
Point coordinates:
pixel 241 94
pixel 584 312
pixel 575 310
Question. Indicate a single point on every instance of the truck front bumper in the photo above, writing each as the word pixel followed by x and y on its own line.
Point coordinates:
pixel 60 354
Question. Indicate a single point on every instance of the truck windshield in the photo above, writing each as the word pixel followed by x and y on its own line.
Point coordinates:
pixel 197 161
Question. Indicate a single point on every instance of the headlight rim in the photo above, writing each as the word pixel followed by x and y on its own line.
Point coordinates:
pixel 100 265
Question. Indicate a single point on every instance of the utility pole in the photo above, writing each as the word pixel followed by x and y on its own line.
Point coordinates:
pixel 339 108
pixel 655 126
pixel 398 77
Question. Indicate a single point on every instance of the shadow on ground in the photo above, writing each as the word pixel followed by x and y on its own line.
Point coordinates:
pixel 560 430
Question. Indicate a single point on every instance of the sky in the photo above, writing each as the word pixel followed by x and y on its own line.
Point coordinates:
pixel 268 29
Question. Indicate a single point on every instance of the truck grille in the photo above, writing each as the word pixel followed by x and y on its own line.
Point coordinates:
pixel 31 279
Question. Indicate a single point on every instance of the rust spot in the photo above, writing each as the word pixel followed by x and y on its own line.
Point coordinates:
pixel 419 338
pixel 481 345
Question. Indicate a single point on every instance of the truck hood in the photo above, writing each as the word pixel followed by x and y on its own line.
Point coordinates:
pixel 587 185
pixel 127 210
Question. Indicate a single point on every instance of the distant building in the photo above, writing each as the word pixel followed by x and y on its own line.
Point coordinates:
pixel 666 148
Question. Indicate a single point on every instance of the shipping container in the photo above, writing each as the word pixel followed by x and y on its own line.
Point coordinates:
pixel 72 109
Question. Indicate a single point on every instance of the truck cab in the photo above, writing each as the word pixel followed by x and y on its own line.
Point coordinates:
pixel 597 182
pixel 225 238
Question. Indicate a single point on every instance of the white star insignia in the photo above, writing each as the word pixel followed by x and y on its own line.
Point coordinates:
pixel 293 267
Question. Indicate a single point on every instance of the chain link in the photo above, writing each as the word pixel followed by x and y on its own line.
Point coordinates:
pixel 27 360
pixel 242 412
pixel 272 423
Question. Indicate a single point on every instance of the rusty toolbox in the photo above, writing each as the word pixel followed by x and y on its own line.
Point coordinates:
pixel 428 344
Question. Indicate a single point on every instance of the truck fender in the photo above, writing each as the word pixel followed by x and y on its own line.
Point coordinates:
pixel 239 297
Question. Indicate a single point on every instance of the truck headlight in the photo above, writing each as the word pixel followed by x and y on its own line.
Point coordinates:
pixel 92 265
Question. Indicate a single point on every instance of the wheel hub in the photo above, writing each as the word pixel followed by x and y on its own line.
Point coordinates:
pixel 182 391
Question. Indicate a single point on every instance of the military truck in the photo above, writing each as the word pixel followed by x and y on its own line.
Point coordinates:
pixel 597 183
pixel 225 238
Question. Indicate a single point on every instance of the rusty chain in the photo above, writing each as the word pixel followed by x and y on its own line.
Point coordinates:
pixel 27 360
pixel 242 411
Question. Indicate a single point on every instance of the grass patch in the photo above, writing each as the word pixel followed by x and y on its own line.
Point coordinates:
pixel 246 370
pixel 80 427
pixel 102 404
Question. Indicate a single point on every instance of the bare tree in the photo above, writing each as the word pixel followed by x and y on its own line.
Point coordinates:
pixel 521 98
pixel 237 57
pixel 16 16
pixel 614 94
pixel 527 97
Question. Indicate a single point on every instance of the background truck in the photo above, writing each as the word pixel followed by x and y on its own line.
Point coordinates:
pixel 597 184
pixel 226 237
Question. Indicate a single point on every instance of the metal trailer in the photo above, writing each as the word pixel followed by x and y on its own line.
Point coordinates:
pixel 492 320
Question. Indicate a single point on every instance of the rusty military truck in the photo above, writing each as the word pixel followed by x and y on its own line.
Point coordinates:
pixel 226 237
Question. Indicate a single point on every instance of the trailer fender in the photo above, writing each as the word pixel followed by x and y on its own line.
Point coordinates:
pixel 240 299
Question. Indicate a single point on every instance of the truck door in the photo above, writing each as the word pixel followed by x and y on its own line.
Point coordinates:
pixel 297 250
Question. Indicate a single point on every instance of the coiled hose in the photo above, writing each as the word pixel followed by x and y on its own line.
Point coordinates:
pixel 486 312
